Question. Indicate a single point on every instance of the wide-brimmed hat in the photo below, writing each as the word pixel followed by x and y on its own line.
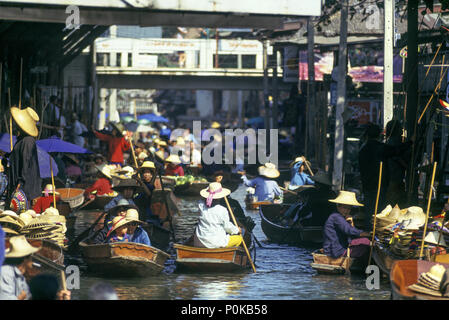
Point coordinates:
pixel 118 222
pixel 429 282
pixel 173 158
pixel 49 189
pixel 122 205
pixel 26 217
pixel 300 159
pixel 126 183
pixel 133 215
pixel 215 125
pixel 142 156
pixel 19 247
pixel 215 190
pixel 347 198
pixel 413 219
pixel 11 224
pixel 160 154
pixel 26 119
pixel 105 170
pixel 127 170
pixel 118 126
pixel 269 170
pixel 50 211
pixel 147 165
pixel 433 236
pixel 322 177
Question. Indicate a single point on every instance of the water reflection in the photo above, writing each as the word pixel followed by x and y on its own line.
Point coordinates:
pixel 283 272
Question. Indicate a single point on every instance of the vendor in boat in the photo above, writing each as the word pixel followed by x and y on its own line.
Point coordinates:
pixel 43 203
pixel 266 188
pixel 136 233
pixel 103 185
pixel 214 229
pixel 117 143
pixel 147 179
pixel 174 167
pixel 126 189
pixel 118 231
pixel 339 232
pixel 299 177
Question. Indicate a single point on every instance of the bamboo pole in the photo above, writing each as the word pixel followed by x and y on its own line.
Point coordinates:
pixel 53 183
pixel 431 97
pixel 243 242
pixel 427 212
pixel 375 212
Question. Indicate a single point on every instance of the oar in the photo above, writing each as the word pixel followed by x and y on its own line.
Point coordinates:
pixel 375 213
pixel 427 212
pixel 86 232
pixel 289 191
pixel 308 168
pixel 244 244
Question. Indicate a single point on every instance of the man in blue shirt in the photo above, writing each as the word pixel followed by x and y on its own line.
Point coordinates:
pixel 339 231
pixel 299 177
pixel 266 189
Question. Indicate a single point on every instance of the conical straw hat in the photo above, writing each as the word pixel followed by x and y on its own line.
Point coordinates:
pixel 217 190
pixel 347 198
pixel 133 215
pixel 19 247
pixel 49 189
pixel 433 236
pixel 269 170
pixel 26 119
pixel 173 158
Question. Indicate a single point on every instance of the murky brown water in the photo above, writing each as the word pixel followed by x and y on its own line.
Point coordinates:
pixel 283 272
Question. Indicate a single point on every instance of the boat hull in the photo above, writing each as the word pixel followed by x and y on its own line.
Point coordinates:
pixel 123 259
pixel 343 265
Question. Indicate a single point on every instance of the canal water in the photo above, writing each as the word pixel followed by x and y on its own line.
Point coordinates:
pixel 283 273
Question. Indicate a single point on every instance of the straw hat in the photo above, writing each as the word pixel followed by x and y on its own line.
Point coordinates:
pixel 11 224
pixel 215 125
pixel 300 159
pixel 322 177
pixel 133 215
pixel 49 189
pixel 161 143
pixel 105 170
pixel 413 218
pixel 117 222
pixel 147 165
pixel 160 154
pixel 32 213
pixel 433 236
pixel 347 198
pixel 26 119
pixel 269 170
pixel 26 217
pixel 142 156
pixel 118 126
pixel 173 158
pixel 19 247
pixel 129 171
pixel 50 211
pixel 217 190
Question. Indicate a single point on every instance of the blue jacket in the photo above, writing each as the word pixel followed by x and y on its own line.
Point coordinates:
pixel 140 236
pixel 337 235
pixel 266 189
pixel 300 179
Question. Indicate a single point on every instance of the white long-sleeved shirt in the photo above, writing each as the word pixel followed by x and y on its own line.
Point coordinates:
pixel 213 227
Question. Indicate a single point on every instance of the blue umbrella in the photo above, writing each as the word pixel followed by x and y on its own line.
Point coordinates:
pixel 152 117
pixel 43 157
pixel 58 145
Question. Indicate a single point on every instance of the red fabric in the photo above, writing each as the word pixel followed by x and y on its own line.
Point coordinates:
pixel 174 171
pixel 102 185
pixel 116 146
pixel 42 203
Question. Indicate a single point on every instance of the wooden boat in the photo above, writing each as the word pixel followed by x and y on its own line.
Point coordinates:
pixel 73 196
pixel 383 258
pixel 343 265
pixel 293 196
pixel 190 189
pixel 405 273
pixel 256 205
pixel 123 259
pixel 271 215
pixel 194 259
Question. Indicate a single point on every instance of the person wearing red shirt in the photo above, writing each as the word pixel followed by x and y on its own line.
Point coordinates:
pixel 117 143
pixel 42 203
pixel 173 168
pixel 103 184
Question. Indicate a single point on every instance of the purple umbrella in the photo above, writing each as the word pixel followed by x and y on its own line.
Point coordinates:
pixel 58 145
pixel 43 157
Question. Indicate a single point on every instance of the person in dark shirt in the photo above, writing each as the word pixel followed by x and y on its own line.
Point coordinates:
pixel 339 232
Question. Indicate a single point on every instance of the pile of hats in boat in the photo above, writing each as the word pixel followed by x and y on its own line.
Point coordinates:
pixel 49 225
pixel 433 282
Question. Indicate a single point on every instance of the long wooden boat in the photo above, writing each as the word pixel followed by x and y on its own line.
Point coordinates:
pixel 405 273
pixel 194 259
pixel 293 196
pixel 298 235
pixel 342 265
pixel 383 258
pixel 190 189
pixel 123 259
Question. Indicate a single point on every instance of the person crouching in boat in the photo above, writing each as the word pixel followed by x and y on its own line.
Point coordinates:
pixel 299 177
pixel 266 189
pixel 136 233
pixel 174 167
pixel 43 203
pixel 119 230
pixel 214 229
pixel 340 234
pixel 103 185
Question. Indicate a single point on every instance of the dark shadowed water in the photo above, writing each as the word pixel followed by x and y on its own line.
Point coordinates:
pixel 283 272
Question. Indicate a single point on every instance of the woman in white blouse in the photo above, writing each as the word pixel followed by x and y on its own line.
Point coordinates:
pixel 214 229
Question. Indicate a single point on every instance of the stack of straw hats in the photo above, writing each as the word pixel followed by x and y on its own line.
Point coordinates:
pixel 429 282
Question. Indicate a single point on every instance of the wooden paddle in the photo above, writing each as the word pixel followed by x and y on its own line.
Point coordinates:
pixel 427 212
pixel 289 191
pixel 375 213
pixel 243 242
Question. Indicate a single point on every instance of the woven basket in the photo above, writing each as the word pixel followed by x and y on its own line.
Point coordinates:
pixel 73 196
